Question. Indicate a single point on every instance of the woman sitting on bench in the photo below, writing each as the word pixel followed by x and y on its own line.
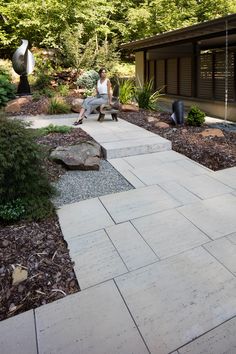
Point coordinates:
pixel 103 96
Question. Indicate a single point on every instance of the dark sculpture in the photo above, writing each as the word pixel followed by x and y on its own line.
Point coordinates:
pixel 23 64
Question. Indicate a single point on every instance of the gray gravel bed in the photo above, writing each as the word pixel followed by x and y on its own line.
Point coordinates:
pixel 75 186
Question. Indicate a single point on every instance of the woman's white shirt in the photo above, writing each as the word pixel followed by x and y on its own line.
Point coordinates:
pixel 102 87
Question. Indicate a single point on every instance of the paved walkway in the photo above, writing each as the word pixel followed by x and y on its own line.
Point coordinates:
pixel 156 264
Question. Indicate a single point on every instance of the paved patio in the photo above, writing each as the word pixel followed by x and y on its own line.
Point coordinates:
pixel 156 265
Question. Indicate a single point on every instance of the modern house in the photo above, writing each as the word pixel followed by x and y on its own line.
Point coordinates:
pixel 196 64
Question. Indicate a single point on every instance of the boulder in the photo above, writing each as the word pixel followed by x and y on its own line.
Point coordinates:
pixel 212 132
pixel 151 119
pixel 14 106
pixel 129 108
pixel 84 156
pixel 76 105
pixel 162 125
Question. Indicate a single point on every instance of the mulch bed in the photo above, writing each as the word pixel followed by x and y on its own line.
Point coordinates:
pixel 39 247
pixel 213 152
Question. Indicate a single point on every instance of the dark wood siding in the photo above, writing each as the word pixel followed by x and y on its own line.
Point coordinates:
pixel 172 76
pixel 219 76
pixel 185 76
pixel 160 74
pixel 205 76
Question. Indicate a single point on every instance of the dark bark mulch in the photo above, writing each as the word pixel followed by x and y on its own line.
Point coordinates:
pixel 39 248
pixel 213 152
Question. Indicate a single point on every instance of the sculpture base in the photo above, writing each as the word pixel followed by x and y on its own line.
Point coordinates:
pixel 23 87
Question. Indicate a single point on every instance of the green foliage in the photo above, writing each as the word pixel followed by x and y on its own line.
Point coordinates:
pixel 12 211
pixel 42 80
pixel 7 90
pixel 24 188
pixel 63 90
pixel 145 96
pixel 88 79
pixel 58 106
pixel 126 91
pixel 195 117
pixel 36 96
pixel 63 129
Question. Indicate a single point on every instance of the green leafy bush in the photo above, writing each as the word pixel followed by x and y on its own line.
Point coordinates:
pixel 7 90
pixel 57 106
pixel 145 96
pixel 126 91
pixel 88 79
pixel 63 90
pixel 24 188
pixel 195 117
pixel 43 80
pixel 12 211
pixel 63 129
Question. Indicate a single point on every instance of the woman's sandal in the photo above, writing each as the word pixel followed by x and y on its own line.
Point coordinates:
pixel 78 122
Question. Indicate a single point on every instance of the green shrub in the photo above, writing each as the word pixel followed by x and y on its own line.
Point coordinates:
pixel 63 90
pixel 24 188
pixel 57 106
pixel 195 117
pixel 47 92
pixel 145 96
pixel 88 79
pixel 63 129
pixel 126 91
pixel 7 90
pixel 12 211
pixel 36 96
pixel 42 80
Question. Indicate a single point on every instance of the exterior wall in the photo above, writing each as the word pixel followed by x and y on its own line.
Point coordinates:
pixel 211 108
pixel 139 68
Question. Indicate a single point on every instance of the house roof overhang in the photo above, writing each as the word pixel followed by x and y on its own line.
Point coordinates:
pixel 196 32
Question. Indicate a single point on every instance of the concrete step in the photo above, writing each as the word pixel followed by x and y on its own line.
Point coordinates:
pixel 131 147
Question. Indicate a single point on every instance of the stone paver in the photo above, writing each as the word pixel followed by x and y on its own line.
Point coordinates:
pixel 83 217
pixel 91 322
pixel 215 217
pixel 225 251
pixel 221 340
pixel 169 233
pixel 96 259
pixel 205 186
pixel 131 246
pixel 178 299
pixel 179 192
pixel 17 334
pixel 125 206
pixel 227 176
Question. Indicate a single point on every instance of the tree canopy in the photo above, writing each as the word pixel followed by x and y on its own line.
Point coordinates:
pixel 82 24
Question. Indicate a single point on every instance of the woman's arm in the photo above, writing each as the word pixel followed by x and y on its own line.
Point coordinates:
pixel 109 91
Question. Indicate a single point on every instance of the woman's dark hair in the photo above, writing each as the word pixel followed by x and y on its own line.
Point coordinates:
pixel 101 70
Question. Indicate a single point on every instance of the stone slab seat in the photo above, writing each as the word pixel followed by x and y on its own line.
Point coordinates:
pixel 111 109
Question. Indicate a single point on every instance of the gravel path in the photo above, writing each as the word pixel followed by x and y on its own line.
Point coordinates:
pixel 74 186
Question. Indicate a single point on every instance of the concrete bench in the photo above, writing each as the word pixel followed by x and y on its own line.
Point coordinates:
pixel 113 109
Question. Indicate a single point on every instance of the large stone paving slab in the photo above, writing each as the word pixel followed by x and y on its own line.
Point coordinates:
pixel 134 251
pixel 91 322
pixel 225 251
pixel 205 186
pixel 125 206
pixel 178 299
pixel 95 259
pixel 179 192
pixel 221 340
pixel 170 171
pixel 215 217
pixel 83 217
pixel 169 233
pixel 17 335
pixel 227 176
